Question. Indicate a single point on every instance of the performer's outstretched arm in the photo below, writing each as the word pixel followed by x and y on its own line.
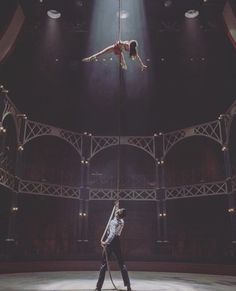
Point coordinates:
pixel 143 67
pixel 107 50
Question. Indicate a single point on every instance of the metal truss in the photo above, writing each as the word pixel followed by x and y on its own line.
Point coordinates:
pixel 9 108
pixel 38 188
pixel 228 118
pixel 35 129
pixel 7 180
pixel 123 194
pixel 145 143
pixel 196 190
pixel 4 161
pixel 170 139
pixel 211 130
pixel 99 143
pixel 233 181
pixel 60 191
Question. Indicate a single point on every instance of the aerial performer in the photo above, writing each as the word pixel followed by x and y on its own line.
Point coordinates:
pixel 118 48
pixel 110 245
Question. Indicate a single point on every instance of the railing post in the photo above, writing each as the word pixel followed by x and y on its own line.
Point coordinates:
pixel 160 182
pixel 228 174
pixel 84 187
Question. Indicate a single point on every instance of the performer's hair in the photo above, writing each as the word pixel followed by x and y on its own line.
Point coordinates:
pixel 133 48
pixel 122 212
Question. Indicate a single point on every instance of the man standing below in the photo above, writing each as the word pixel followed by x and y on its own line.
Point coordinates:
pixel 112 245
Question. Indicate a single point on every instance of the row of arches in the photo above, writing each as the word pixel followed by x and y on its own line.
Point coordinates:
pixel 192 160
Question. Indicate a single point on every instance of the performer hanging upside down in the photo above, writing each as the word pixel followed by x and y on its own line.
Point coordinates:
pixel 118 48
pixel 112 245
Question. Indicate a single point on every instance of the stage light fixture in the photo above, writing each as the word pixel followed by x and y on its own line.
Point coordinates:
pixel 54 14
pixel 168 3
pixel 20 115
pixel 224 148
pixel 2 129
pixel 192 13
pixel 20 148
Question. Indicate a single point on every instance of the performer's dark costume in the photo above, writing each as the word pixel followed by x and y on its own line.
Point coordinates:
pixel 113 246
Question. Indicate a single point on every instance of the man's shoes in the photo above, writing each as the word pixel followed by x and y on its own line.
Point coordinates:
pixel 99 289
pixel 129 288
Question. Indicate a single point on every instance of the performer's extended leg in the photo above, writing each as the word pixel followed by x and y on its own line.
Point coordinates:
pixel 107 50
pixel 103 268
pixel 123 269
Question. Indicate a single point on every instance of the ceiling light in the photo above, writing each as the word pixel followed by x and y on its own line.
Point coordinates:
pixel 168 3
pixel 191 13
pixel 54 14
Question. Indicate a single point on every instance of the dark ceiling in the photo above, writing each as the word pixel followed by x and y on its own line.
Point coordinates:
pixel 190 78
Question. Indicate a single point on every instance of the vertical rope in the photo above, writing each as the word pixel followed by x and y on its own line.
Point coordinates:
pixel 119 21
pixel 118 152
pixel 119 143
pixel 119 109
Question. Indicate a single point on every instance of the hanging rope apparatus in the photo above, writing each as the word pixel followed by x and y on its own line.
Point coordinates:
pixel 116 206
pixel 119 21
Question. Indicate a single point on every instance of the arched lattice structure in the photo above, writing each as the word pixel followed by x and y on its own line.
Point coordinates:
pixel 58 164
pixel 34 130
pixel 8 108
pixel 211 130
pixel 137 174
pixel 99 143
pixel 134 163
pixel 88 147
pixel 8 154
pixel 193 160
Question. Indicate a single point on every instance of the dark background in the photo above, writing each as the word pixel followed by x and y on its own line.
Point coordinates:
pixel 190 79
